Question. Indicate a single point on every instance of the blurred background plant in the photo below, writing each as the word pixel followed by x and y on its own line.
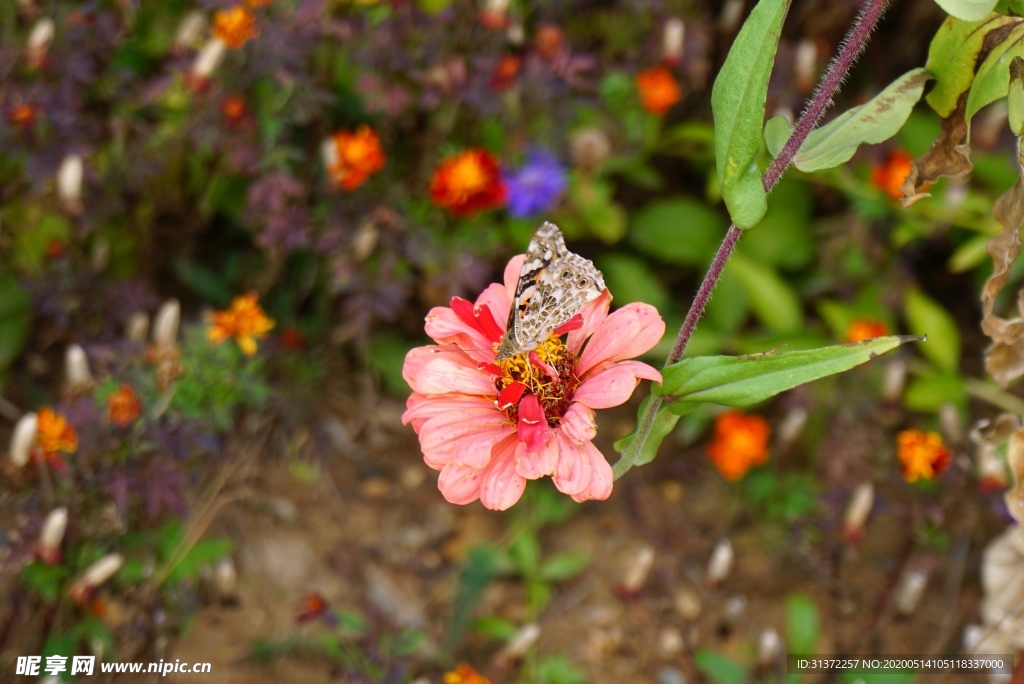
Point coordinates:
pixel 347 166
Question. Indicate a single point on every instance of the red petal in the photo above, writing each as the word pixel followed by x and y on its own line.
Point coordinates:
pixel 479 318
pixel 491 368
pixel 533 426
pixel 510 395
pixel 536 361
pixel 574 323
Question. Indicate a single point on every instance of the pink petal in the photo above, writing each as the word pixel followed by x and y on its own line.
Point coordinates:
pixel 600 486
pixel 502 485
pixel 594 313
pixel 443 325
pixel 460 484
pixel 538 463
pixel 629 332
pixel 465 436
pixel 640 370
pixel 420 407
pixel 578 423
pixel 415 360
pixel 533 425
pixel 456 372
pixel 608 388
pixel 574 470
pixel 515 265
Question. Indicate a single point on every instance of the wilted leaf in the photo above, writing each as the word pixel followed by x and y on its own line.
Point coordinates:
pixel 1015 457
pixel 873 122
pixel 1015 96
pixel 993 76
pixel 949 156
pixel 1004 359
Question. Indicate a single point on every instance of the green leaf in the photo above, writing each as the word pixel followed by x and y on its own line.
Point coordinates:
pixel 929 393
pixel 15 317
pixel 771 298
pixel 873 122
pixel 680 230
pixel 495 627
pixel 564 566
pixel 952 58
pixel 783 238
pixel 1015 96
pixel 729 307
pixel 967 10
pixel 740 381
pixel 663 424
pixel 719 668
pixel 803 624
pixel 992 80
pixel 927 318
pixel 631 280
pixel 737 103
pixel 525 553
pixel 558 669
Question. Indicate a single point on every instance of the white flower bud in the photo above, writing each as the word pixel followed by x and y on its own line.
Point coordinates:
pixel 910 591
pixel 519 644
pixel 138 327
pixel 894 380
pixel 329 153
pixel 950 425
pixel 720 563
pixel 39 41
pixel 857 511
pixel 806 60
pixel 165 325
pixel 95 575
pixel 791 427
pixel 769 646
pixel 209 58
pixel 672 41
pixel 729 18
pixel 23 439
pixel 52 535
pixel 190 29
pixel 69 181
pixel 76 368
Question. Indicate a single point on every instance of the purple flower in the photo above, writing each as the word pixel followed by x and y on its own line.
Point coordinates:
pixel 536 185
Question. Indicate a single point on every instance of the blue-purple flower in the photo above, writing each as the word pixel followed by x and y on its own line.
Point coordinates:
pixel 536 185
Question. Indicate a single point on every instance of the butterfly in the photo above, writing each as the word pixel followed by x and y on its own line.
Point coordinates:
pixel 554 284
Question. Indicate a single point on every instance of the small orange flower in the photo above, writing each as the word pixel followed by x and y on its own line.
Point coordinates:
pixel 256 4
pixel 54 433
pixel 356 156
pixel 468 182
pixel 234 110
pixel 464 674
pixel 235 26
pixel 245 321
pixel 314 606
pixel 890 174
pixel 740 442
pixel 922 454
pixel 866 329
pixel 505 72
pixel 123 406
pixel 22 115
pixel 549 42
pixel 658 90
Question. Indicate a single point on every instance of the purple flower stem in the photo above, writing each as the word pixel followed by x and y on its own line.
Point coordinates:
pixel 854 41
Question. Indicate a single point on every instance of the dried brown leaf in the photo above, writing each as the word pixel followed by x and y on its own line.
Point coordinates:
pixel 949 155
pixel 1015 497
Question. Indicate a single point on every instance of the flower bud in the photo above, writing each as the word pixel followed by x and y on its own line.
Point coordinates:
pixel 910 591
pixel 494 15
pixel 639 567
pixel 519 644
pixel 95 575
pixel 589 147
pixel 190 30
pixel 137 328
pixel 23 439
pixel 894 380
pixel 52 535
pixel 729 18
pixel 806 60
pixel 76 368
pixel 857 512
pixel 69 183
pixel 720 563
pixel 950 425
pixel 791 427
pixel 39 42
pixel 769 647
pixel 672 41
pixel 209 58
pixel 165 325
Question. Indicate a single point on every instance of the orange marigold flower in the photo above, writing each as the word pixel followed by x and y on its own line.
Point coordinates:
pixel 464 674
pixel 468 182
pixel 890 174
pixel 22 115
pixel 123 406
pixel 354 157
pixel 740 442
pixel 245 321
pixel 505 72
pixel 659 90
pixel 922 454
pixel 866 329
pixel 314 606
pixel 54 433
pixel 235 26
pixel 234 110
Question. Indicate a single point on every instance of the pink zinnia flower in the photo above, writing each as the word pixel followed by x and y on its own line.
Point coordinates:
pixel 489 426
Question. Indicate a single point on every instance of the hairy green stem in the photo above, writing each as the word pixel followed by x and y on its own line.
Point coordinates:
pixel 854 41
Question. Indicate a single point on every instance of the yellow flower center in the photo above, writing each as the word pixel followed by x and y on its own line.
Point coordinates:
pixel 467 176
pixel 554 393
